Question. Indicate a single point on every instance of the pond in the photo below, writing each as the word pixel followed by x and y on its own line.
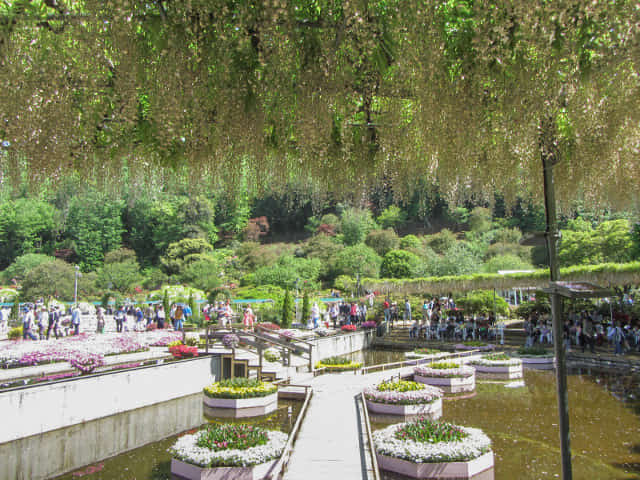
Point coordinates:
pixel 522 423
pixel 153 462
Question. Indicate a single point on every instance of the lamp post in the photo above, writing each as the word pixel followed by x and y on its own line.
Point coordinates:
pixel 75 285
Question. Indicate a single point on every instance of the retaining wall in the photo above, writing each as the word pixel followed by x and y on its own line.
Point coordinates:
pixel 53 428
pixel 326 347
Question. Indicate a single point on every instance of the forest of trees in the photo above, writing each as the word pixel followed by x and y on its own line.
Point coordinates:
pixel 131 243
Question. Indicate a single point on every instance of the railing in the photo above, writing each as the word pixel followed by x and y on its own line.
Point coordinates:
pixel 416 361
pixel 277 471
pixel 372 448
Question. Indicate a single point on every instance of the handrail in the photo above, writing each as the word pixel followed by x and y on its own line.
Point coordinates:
pixel 416 361
pixel 372 448
pixel 276 472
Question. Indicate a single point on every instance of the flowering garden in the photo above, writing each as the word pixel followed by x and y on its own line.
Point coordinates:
pixel 85 351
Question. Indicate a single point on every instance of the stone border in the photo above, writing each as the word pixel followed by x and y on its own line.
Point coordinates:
pixel 507 372
pixel 449 384
pixel 433 409
pixel 241 407
pixel 193 472
pixel 448 470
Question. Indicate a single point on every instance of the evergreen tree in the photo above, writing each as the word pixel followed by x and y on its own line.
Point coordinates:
pixel 165 302
pixel 287 310
pixel 306 309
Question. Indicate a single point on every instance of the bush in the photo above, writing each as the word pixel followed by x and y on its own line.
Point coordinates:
pixel 357 259
pixel 355 224
pixel 457 260
pixel 400 264
pixel 15 333
pixel 441 241
pixel 480 219
pixel 392 216
pixel 482 301
pixel 410 242
pixel 382 241
pixel 287 270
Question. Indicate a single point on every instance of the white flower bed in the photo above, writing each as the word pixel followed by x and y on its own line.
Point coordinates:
pixel 428 394
pixel 512 362
pixel 475 444
pixel 187 450
pixel 461 371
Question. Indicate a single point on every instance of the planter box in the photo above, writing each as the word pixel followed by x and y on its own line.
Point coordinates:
pixel 448 470
pixel 241 407
pixel 540 363
pixel 506 372
pixel 193 472
pixel 449 384
pixel 433 409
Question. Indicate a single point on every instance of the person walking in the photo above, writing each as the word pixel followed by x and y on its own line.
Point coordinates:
pixel 75 319
pixel 160 317
pixel 119 318
pixel 179 316
pixel 315 314
pixel 407 311
pixel 27 325
pixel 100 317
pixel 54 318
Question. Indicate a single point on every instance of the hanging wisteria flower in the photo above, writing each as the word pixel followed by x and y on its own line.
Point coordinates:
pixel 188 450
pixel 427 447
pixel 432 370
pixel 402 393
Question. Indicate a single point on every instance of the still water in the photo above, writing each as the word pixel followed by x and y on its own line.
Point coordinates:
pixel 522 422
pixel 153 462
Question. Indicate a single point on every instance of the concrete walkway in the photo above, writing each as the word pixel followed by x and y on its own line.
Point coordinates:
pixel 329 442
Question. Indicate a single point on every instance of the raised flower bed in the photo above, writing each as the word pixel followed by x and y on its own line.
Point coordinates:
pixel 240 398
pixel 241 452
pixel 338 364
pixel 424 352
pixel 404 398
pixel 475 345
pixel 428 449
pixel 498 366
pixel 451 377
pixel 536 357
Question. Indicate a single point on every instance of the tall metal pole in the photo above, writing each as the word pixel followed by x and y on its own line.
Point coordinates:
pixel 75 286
pixel 552 237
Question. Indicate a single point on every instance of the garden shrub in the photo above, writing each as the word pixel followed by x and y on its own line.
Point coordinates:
pixel 441 241
pixel 15 333
pixel 410 242
pixel 382 241
pixel 357 259
pixel 400 264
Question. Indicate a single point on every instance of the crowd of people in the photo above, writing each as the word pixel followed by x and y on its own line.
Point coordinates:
pixel 586 330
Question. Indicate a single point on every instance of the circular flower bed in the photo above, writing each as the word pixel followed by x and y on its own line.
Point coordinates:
pixel 241 397
pixel 444 370
pixel 536 357
pixel 450 376
pixel 499 366
pixel 404 398
pixel 240 388
pixel 235 445
pixel 496 360
pixel 337 364
pixel 402 392
pixel 428 441
pixel 474 345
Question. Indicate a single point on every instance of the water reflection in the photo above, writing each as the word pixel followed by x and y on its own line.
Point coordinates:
pixel 153 462
pixel 486 475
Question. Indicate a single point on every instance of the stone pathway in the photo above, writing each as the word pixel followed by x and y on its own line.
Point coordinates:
pixel 329 442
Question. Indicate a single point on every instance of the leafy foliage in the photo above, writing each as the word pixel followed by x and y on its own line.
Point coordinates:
pixel 400 264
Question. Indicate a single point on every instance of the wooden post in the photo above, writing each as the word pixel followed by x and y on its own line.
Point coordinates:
pixel 549 159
